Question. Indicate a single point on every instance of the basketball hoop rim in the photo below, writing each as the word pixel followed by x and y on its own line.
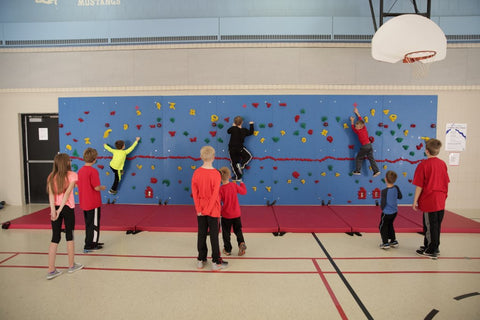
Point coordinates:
pixel 421 55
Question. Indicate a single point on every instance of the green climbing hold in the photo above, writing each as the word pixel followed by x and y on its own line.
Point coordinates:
pixel 185 133
pixel 302 111
pixel 296 133
pixel 309 174
pixel 133 187
pixel 159 119
pixel 220 140
pixel 261 125
pixel 74 167
pixel 296 188
pixel 399 125
pixel 399 140
pixel 303 125
pixel 261 181
pixel 220 125
pixel 207 140
pixel 172 120
pixel 166 182
pixel 337 118
pixel 186 189
pixel 275 139
pixel 392 132
pixel 405 147
pixel 412 153
pixel 152 139
pixel 324 119
pixel 75 153
pixel 330 168
pixel 275 181
pixel 378 133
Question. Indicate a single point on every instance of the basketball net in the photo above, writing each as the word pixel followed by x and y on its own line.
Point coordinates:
pixel 420 62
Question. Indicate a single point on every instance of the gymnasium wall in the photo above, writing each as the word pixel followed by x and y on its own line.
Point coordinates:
pixel 303 145
pixel 32 81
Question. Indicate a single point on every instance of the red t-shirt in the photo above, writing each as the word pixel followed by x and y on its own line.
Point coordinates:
pixel 362 134
pixel 432 176
pixel 88 179
pixel 205 191
pixel 228 195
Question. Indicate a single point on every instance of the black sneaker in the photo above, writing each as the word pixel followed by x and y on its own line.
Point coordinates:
pixel 423 253
pixel 436 252
pixel 356 173
pixel 97 247
pixel 394 244
pixel 112 191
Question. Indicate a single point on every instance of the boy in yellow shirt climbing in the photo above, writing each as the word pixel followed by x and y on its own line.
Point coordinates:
pixel 119 156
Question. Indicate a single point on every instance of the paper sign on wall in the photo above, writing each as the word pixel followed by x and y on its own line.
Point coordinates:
pixel 456 137
pixel 454 159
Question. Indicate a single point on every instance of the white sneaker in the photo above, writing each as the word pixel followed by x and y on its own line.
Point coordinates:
pixel 55 273
pixel 219 266
pixel 75 267
pixel 200 264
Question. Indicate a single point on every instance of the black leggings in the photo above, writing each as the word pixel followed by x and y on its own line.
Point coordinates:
pixel 68 215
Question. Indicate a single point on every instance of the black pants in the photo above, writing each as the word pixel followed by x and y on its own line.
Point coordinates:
pixel 92 228
pixel 227 225
pixel 206 223
pixel 116 179
pixel 241 156
pixel 386 227
pixel 68 215
pixel 432 223
pixel 365 150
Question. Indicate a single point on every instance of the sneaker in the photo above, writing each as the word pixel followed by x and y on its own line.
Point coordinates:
pixel 219 265
pixel 356 173
pixel 239 167
pixel 200 264
pixel 100 244
pixel 225 252
pixel 55 273
pixel 376 174
pixel 112 191
pixel 97 247
pixel 423 253
pixel 385 246
pixel 393 244
pixel 241 249
pixel 436 252
pixel 75 267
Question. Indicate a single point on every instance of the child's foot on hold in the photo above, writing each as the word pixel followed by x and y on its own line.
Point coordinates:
pixel 356 173
pixel 112 191
pixel 55 273
pixel 241 249
pixel 385 246
pixel 219 265
pixel 376 174
pixel 394 244
pixel 225 252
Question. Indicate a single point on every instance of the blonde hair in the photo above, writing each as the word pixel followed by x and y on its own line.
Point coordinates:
pixel 57 180
pixel 391 176
pixel 207 153
pixel 238 120
pixel 226 173
pixel 89 155
pixel 433 146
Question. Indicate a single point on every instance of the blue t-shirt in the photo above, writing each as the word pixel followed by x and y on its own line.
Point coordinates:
pixel 389 199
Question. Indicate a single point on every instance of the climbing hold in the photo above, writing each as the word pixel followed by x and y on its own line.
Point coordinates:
pixel 392 132
pixel 172 120
pixel 378 133
pixel 192 112
pixel 275 139
pixel 262 140
pixel 261 125
pixel 139 166
pixel 152 140
pixel 310 132
pixel 303 125
pixel 153 180
pixel 330 139
pixel 171 105
pixel 166 182
pixel 393 117
pixel 213 133
pixel 125 126
pixel 324 132
pixel 87 141
pixel 405 132
pixel 185 133
pixel 107 133
pixel 159 105
pixel 304 140
pixel 172 133
pixel 399 140
pixel 372 112
pixel 405 147
pixel 282 132
pixel 386 111
pixel 297 117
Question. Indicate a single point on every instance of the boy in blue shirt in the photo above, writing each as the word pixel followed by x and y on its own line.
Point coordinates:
pixel 388 203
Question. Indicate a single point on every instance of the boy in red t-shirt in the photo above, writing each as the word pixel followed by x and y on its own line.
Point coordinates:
pixel 89 188
pixel 231 212
pixel 431 181
pixel 205 193
pixel 366 149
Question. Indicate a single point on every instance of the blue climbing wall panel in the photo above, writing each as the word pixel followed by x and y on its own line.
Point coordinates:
pixel 303 145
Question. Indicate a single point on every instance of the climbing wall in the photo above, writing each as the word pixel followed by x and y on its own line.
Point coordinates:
pixel 303 145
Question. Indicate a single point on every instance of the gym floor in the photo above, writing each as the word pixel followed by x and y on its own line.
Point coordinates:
pixel 153 275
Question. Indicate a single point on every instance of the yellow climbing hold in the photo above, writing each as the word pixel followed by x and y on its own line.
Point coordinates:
pixel 268 189
pixel 323 174
pixel 214 118
pixel 282 132
pixel 345 126
pixel 262 140
pixel 172 105
pixel 193 167
pixel 404 174
pixel 87 141
pixel 324 132
pixel 139 113
pixel 337 174
pixel 192 112
pixel 289 181
pixel 384 167
pixel 107 133
pixel 302 181
pixel 405 132
pixel 393 117
pixel 254 188
pixel 152 167
pixel 386 111
pixel 125 126
pixel 304 139
pixel 372 112
pixel 139 166
pixel 159 105
pixel 107 173
pixel 425 138
pixel 365 119
pixel 255 133
pixel 69 147
pixel 179 168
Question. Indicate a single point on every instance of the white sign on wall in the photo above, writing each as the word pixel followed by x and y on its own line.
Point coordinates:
pixel 456 137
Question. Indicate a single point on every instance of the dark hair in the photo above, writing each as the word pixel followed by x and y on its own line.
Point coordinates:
pixel 433 146
pixel 119 144
pixel 391 176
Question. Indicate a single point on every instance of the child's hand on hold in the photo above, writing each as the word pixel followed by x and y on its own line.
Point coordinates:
pixel 137 138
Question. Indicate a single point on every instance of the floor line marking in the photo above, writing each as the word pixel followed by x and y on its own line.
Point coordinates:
pixel 329 290
pixel 11 257
pixel 345 282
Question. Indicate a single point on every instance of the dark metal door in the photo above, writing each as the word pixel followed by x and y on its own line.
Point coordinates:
pixel 40 145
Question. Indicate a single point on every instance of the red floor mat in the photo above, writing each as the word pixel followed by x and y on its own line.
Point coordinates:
pixel 170 218
pixel 367 219
pixel 309 219
pixel 258 219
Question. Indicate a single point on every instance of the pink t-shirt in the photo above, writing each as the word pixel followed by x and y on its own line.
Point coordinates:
pixel 71 176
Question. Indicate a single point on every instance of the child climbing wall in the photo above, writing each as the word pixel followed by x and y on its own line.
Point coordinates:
pixel 303 146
